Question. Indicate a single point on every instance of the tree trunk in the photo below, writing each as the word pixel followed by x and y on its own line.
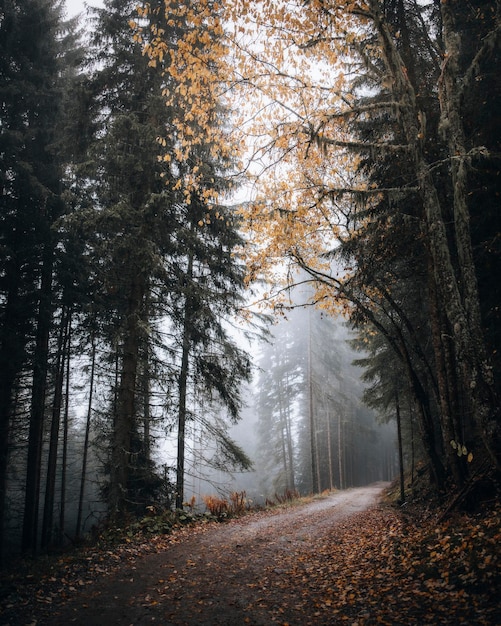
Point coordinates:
pixel 125 402
pixel 400 447
pixel 459 301
pixel 315 482
pixel 413 451
pixel 284 450
pixel 35 437
pixel 86 439
pixel 329 452
pixel 146 379
pixel 182 389
pixel 50 485
pixel 66 422
pixel 474 364
pixel 340 456
pixel 448 392
pixel 290 445
pixel 12 349
pixel 283 434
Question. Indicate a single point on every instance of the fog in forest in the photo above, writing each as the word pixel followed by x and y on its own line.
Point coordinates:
pixel 305 381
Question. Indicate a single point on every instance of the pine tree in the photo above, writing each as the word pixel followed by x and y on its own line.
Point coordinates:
pixel 210 284
pixel 307 376
pixel 128 229
pixel 278 386
pixel 163 249
pixel 33 84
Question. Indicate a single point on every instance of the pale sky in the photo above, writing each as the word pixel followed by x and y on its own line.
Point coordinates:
pixel 73 7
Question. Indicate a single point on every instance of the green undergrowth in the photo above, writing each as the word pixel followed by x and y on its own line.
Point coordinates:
pixel 162 523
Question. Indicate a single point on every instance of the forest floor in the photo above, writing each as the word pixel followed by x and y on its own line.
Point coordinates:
pixel 344 558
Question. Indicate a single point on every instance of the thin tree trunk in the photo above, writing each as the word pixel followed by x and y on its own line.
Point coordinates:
pixel 283 435
pixel 340 456
pixel 182 391
pixel 83 474
pixel 181 422
pixel 329 452
pixel 284 453
pixel 413 452
pixel 146 407
pixel 50 485
pixel 37 412
pixel 66 421
pixel 315 483
pixel 400 447
pixel 290 445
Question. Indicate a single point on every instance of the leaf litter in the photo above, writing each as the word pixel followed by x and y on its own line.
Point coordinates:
pixel 292 566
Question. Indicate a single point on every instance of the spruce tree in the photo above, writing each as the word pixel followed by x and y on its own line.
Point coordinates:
pixel 162 250
pixel 277 394
pixel 128 227
pixel 32 84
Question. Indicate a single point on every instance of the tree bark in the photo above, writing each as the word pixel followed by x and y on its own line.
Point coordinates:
pixel 400 447
pixel 340 455
pixel 37 411
pixel 12 350
pixel 290 445
pixel 315 479
pixel 473 362
pixel 126 395
pixel 66 423
pixel 458 293
pixel 50 485
pixel 182 389
pixel 83 473
pixel 329 451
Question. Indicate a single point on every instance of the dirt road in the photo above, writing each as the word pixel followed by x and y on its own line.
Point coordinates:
pixel 232 574
pixel 344 559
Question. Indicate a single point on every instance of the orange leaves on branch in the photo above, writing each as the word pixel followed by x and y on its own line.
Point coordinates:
pixel 284 71
pixel 292 67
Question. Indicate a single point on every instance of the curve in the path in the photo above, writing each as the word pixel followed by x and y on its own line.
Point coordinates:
pixel 215 578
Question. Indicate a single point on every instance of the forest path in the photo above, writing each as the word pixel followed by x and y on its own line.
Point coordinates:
pixel 344 558
pixel 254 570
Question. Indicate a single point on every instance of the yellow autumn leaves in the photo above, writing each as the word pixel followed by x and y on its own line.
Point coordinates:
pixel 282 68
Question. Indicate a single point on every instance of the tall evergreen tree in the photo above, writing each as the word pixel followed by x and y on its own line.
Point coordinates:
pixel 163 250
pixel 32 84
pixel 209 362
pixel 279 386
pixel 129 226
pixel 311 412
